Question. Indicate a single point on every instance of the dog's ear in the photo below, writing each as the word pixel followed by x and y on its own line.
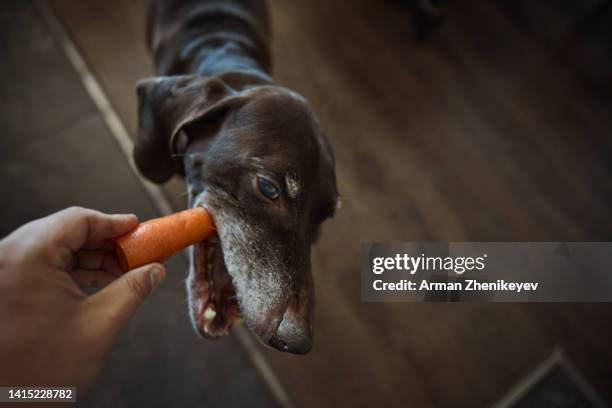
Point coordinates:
pixel 328 163
pixel 326 147
pixel 165 106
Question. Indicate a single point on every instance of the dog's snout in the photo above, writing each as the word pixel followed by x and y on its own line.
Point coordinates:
pixel 294 335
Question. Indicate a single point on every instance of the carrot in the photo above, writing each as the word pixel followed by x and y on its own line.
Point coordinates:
pixel 157 239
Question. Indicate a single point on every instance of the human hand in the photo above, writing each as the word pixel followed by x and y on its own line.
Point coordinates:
pixel 53 333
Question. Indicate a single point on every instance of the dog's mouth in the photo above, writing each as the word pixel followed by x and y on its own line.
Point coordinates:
pixel 214 304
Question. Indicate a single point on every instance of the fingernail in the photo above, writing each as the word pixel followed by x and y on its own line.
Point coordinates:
pixel 156 276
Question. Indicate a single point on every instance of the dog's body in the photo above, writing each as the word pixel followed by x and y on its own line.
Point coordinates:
pixel 252 152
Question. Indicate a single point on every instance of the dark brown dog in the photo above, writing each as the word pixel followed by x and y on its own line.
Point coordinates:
pixel 252 152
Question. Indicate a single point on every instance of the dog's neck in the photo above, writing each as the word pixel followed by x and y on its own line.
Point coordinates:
pixel 209 38
pixel 228 57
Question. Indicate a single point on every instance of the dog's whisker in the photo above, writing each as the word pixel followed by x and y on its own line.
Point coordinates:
pixel 340 201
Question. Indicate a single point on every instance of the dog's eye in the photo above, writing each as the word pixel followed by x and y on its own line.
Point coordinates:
pixel 267 188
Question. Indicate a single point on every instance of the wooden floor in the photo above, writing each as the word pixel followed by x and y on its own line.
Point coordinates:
pixel 496 129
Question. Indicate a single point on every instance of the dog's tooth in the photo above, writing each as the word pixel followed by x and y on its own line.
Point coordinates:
pixel 210 313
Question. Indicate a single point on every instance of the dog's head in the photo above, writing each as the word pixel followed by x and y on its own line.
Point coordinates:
pixel 256 158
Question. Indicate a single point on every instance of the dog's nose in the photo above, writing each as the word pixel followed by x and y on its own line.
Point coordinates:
pixel 294 335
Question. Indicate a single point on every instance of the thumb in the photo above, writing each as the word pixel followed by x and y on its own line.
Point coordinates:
pixel 125 294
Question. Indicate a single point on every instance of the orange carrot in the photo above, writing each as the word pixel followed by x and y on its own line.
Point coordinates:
pixel 157 239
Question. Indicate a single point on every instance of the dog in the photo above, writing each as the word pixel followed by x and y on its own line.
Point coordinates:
pixel 251 151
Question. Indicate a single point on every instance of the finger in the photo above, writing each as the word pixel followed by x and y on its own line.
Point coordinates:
pixel 98 260
pixel 76 226
pixel 105 244
pixel 85 278
pixel 106 226
pixel 123 296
